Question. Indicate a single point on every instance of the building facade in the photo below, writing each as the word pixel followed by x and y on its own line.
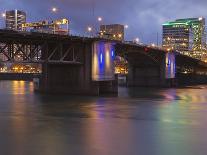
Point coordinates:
pixel 114 32
pixel 187 36
pixel 59 26
pixel 15 19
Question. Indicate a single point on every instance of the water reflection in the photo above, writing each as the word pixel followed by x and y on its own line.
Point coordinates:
pixel 140 121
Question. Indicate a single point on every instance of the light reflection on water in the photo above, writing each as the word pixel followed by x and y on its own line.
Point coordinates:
pixel 139 121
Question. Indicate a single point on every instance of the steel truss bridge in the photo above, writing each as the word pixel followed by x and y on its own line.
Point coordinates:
pixel 67 61
pixel 25 47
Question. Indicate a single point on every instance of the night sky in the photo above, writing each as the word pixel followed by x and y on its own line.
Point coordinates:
pixel 143 17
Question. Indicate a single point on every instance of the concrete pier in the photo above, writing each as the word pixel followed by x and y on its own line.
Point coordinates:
pixel 73 77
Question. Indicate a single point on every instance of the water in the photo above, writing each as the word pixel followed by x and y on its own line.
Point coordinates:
pixel 138 122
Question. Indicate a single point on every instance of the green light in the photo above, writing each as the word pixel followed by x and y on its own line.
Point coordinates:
pixel 174 23
pixel 189 21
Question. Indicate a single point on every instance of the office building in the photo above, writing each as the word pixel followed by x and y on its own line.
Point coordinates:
pixel 187 36
pixel 15 19
pixel 59 26
pixel 114 32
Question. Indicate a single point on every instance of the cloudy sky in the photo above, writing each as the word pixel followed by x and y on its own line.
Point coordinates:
pixel 144 17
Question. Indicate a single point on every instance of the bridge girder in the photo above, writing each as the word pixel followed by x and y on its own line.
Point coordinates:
pixel 155 56
pixel 41 49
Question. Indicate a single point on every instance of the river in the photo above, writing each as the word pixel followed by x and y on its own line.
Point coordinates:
pixel 138 122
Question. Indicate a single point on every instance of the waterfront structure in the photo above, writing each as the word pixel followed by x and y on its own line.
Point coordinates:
pixel 14 19
pixel 187 36
pixel 121 66
pixel 81 65
pixel 113 31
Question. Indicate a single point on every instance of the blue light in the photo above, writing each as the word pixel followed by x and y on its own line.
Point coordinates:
pixel 169 62
pixel 170 66
pixel 101 58
pixel 112 53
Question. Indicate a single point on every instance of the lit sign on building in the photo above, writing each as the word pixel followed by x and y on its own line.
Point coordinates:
pixel 103 61
pixel 170 65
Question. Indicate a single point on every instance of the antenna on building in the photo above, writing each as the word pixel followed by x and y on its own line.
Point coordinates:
pixel 93 8
pixel 92 12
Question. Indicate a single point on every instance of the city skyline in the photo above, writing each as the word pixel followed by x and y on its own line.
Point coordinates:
pixel 187 36
pixel 145 19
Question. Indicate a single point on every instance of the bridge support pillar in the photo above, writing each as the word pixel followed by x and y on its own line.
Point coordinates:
pixel 146 77
pixel 145 74
pixel 69 79
pixel 72 78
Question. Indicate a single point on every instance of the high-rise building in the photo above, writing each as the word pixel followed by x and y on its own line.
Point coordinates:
pixel 15 19
pixel 187 36
pixel 114 32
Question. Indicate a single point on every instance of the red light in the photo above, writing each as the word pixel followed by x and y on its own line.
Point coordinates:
pixel 146 49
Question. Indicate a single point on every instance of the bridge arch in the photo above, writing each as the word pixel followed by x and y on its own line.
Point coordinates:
pixel 145 65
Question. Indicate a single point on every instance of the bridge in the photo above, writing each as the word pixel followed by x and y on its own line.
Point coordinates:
pixel 147 65
pixel 80 65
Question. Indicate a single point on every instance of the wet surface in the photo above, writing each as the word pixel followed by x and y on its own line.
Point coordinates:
pixel 138 122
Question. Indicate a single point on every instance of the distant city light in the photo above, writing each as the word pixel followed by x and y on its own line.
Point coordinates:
pixel 119 35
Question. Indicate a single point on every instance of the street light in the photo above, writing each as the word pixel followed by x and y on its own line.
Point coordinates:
pixel 3 15
pixel 136 40
pixel 100 19
pixel 89 29
pixel 153 45
pixel 126 26
pixel 54 9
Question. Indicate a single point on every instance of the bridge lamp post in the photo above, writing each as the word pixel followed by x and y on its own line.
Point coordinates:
pixel 100 20
pixel 126 27
pixel 3 15
pixel 89 30
pixel 136 40
pixel 153 45
pixel 54 9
